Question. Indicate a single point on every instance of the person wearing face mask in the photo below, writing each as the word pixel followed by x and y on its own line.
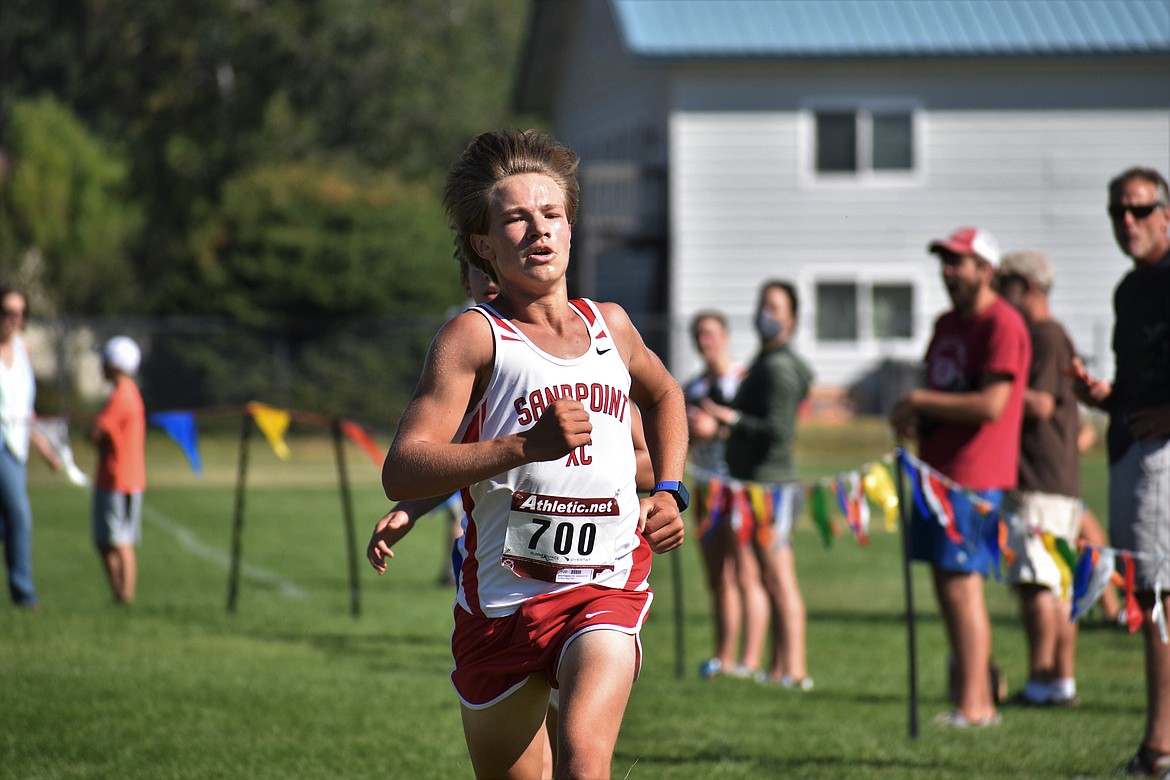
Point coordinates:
pixel 760 430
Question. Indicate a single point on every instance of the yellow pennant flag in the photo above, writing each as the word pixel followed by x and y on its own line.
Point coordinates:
pixel 272 423
pixel 1061 564
pixel 879 488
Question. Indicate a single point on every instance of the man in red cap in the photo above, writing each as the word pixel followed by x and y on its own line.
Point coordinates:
pixel 967 420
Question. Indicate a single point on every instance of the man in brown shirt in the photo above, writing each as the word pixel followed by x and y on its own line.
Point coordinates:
pixel 1046 505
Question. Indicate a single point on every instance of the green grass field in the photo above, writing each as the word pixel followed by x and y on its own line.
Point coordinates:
pixel 293 686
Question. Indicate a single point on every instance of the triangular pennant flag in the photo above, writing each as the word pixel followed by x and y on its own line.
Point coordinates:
pixel 180 426
pixel 879 488
pixel 1050 544
pixel 858 508
pixel 357 434
pixel 1005 548
pixel 841 493
pixel 1082 575
pixel 938 498
pixel 1158 613
pixel 783 512
pixel 762 502
pixel 818 501
pixel 272 423
pixel 1133 611
pixel 55 431
pixel 991 542
pixel 747 518
pixel 714 504
pixel 911 472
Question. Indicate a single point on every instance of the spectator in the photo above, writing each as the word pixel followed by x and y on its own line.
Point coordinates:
pixel 18 390
pixel 119 432
pixel 1138 403
pixel 1047 497
pixel 738 599
pixel 760 426
pixel 967 421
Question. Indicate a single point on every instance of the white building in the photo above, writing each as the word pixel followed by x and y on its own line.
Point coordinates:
pixel 726 142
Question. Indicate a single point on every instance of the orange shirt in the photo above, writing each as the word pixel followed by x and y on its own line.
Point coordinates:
pixel 121 455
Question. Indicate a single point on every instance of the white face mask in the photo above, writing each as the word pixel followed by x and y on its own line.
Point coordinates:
pixel 768 327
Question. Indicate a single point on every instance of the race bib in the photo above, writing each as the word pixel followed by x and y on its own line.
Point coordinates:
pixel 560 539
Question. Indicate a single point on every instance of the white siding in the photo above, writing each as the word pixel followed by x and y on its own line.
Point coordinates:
pixel 1025 153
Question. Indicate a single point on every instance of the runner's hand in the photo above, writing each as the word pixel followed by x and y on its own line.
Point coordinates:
pixel 562 428
pixel 660 523
pixel 394 525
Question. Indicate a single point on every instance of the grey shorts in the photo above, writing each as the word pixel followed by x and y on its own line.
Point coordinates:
pixel 1139 510
pixel 117 518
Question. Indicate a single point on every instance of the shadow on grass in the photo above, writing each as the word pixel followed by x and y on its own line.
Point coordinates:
pixel 382 652
pixel 776 766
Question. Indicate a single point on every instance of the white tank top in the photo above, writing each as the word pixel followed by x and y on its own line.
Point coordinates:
pixel 552 525
pixel 18 392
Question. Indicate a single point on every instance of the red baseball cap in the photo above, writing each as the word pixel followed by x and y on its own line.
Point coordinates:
pixel 969 241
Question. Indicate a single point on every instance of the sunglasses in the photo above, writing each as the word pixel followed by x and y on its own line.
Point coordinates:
pixel 14 313
pixel 1139 212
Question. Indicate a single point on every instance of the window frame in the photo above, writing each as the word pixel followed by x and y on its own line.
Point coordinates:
pixel 864 313
pixel 863 110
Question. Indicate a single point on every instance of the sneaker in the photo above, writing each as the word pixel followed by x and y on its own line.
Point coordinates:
pixel 787 681
pixel 740 672
pixel 710 668
pixel 1149 763
pixel 1038 694
pixel 956 720
pixel 803 684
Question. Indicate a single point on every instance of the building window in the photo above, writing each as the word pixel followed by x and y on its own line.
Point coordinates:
pixel 893 311
pixel 836 141
pixel 836 311
pixel 857 311
pixel 860 140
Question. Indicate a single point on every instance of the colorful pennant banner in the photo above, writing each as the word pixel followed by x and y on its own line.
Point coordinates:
pixel 1084 574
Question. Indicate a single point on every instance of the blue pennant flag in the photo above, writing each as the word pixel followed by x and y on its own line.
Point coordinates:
pixel 180 426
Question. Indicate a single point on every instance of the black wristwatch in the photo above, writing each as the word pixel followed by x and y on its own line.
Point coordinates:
pixel 676 489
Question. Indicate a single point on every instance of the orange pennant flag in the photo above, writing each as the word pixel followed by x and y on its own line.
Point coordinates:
pixel 358 436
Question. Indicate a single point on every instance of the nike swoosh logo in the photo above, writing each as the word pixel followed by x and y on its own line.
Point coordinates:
pixel 591 615
pixel 601 351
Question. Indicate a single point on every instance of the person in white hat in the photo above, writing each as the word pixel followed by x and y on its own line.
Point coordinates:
pixel 967 421
pixel 119 432
pixel 1047 500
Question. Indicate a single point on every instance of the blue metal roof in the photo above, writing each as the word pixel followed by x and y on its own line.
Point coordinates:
pixel 885 28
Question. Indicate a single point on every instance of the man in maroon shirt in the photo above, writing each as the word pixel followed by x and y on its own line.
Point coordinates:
pixel 967 420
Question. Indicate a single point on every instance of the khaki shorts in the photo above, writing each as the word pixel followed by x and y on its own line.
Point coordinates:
pixel 1035 513
pixel 1139 510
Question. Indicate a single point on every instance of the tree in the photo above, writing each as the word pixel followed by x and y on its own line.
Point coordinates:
pixel 66 222
pixel 201 92
pixel 298 245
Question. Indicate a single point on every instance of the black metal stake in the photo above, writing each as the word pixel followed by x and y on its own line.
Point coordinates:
pixel 355 605
pixel 904 515
pixel 238 520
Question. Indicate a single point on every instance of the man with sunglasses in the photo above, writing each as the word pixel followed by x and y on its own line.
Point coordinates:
pixel 1138 402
